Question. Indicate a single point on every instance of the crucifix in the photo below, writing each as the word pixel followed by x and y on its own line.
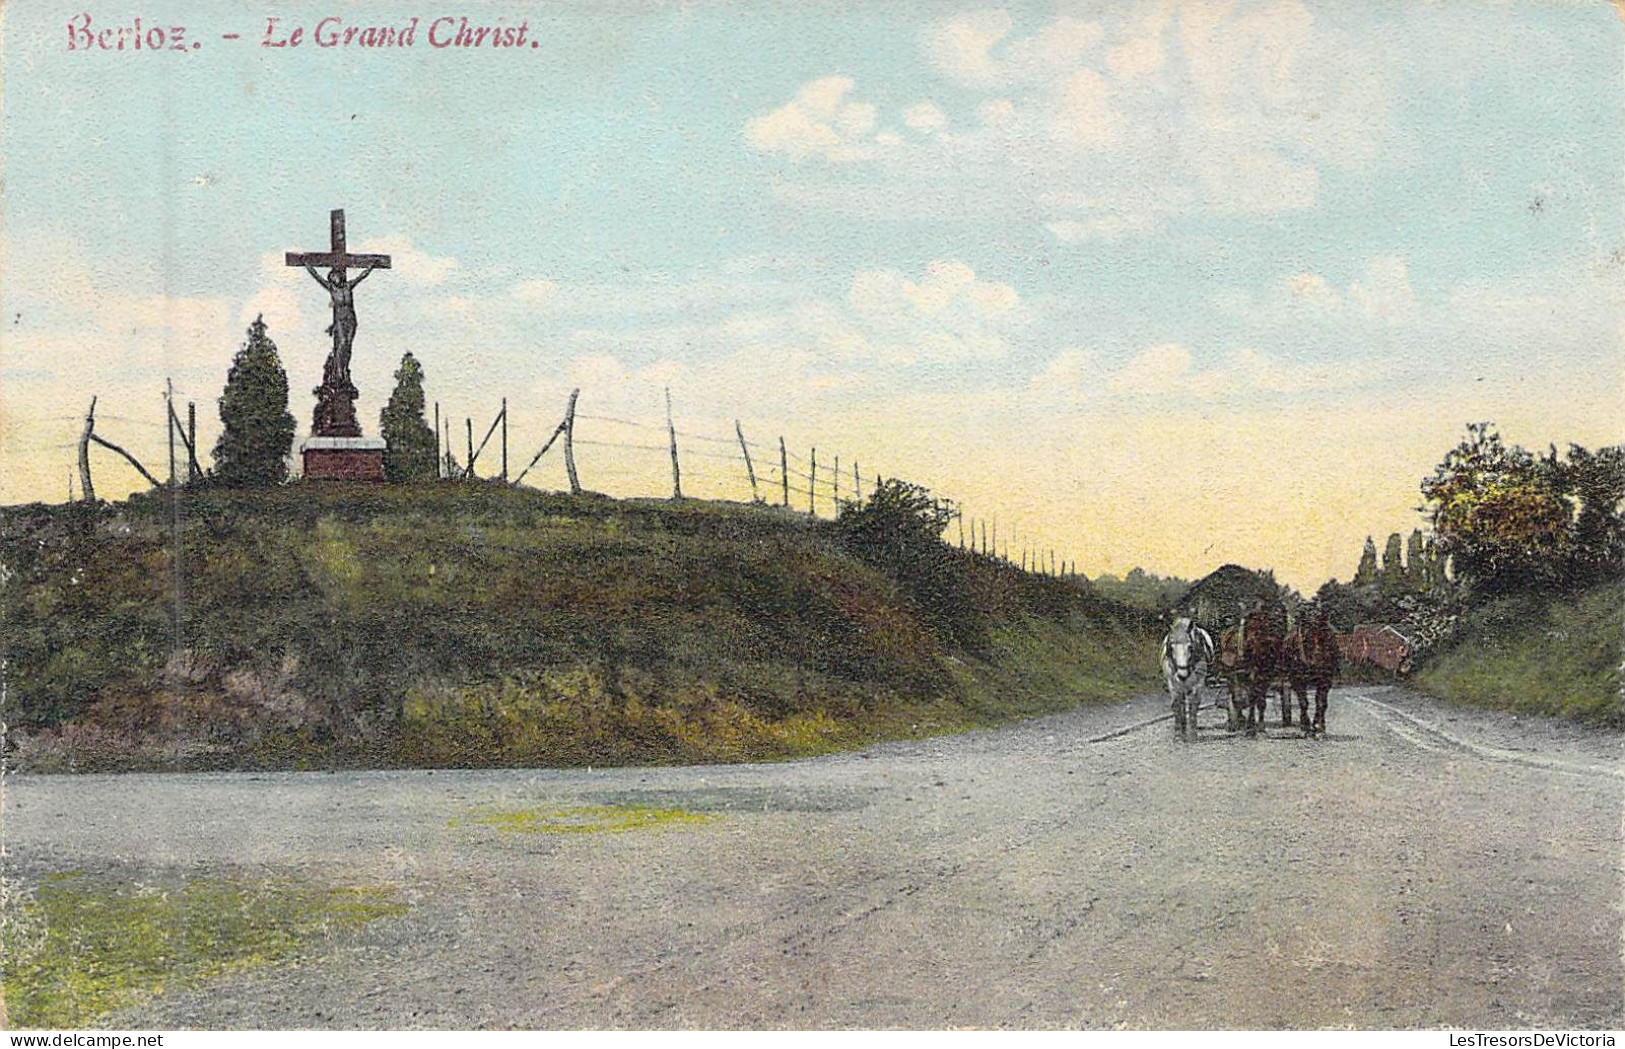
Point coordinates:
pixel 335 412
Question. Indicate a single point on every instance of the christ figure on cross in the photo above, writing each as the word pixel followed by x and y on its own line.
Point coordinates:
pixel 336 375
pixel 342 329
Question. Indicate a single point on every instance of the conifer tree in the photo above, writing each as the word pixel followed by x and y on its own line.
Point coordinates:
pixel 1366 574
pixel 257 429
pixel 409 440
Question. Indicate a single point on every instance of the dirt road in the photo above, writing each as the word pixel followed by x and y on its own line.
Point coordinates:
pixel 1422 866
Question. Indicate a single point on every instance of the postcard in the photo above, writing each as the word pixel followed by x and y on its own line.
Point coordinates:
pixel 622 514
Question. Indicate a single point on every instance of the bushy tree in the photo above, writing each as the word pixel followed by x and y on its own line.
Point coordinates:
pixel 1596 482
pixel 1500 513
pixel 409 440
pixel 898 529
pixel 257 429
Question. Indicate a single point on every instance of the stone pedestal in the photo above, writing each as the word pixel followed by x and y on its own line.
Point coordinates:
pixel 343 458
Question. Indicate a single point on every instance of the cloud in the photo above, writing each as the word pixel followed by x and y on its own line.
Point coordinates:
pixel 1170 370
pixel 1073 372
pixel 1141 54
pixel 1145 115
pixel 1385 292
pixel 819 122
pixel 946 315
pixel 410 263
pixel 966 48
pixel 962 46
pixel 535 291
pixel 1084 115
pixel 1382 293
pixel 1155 370
pixel 924 116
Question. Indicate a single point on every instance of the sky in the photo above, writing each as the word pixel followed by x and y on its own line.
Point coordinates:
pixel 1156 284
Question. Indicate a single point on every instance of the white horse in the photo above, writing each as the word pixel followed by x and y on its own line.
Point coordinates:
pixel 1187 652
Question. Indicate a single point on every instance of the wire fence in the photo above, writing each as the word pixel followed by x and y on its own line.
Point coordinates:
pixel 612 453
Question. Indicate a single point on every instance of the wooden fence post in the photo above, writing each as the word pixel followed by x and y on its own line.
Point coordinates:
pixel 812 485
pixel 558 431
pixel 169 412
pixel 837 475
pixel 468 465
pixel 750 468
pixel 193 470
pixel 439 460
pixel 188 436
pixel 857 482
pixel 784 470
pixel 175 517
pixel 671 432
pixel 504 438
pixel 569 442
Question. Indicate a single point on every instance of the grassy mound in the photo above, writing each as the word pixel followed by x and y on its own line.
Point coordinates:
pixel 485 625
pixel 1538 655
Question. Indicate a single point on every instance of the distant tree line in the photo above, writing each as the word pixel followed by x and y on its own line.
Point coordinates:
pixel 1141 589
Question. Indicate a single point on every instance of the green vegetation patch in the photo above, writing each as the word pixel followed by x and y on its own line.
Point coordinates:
pixel 1558 656
pixel 84 946
pixel 583 819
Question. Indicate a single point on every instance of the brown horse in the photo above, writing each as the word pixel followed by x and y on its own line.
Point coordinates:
pixel 1311 661
pixel 1250 655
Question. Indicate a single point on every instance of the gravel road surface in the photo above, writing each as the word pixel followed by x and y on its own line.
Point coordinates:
pixel 1422 866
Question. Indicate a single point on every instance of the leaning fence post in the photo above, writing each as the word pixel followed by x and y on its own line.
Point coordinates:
pixel 750 468
pixel 569 443
pixel 671 430
pixel 87 491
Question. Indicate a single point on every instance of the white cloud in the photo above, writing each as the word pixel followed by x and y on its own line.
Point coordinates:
pixel 819 122
pixel 1170 370
pixel 966 47
pixel 1382 293
pixel 962 46
pixel 924 116
pixel 535 291
pixel 1155 370
pixel 1150 113
pixel 409 262
pixel 1074 372
pixel 1141 54
pixel 1385 292
pixel 1084 115
pixel 948 314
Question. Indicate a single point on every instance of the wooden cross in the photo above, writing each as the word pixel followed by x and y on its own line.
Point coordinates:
pixel 336 258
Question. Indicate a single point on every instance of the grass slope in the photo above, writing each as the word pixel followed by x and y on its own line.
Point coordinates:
pixel 485 625
pixel 1541 656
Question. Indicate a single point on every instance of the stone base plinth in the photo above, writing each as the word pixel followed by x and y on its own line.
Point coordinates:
pixel 343 459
